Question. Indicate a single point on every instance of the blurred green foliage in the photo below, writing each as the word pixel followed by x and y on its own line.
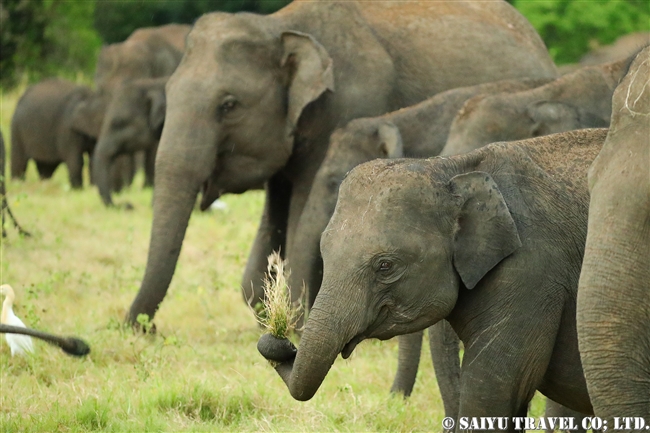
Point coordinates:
pixel 46 37
pixel 571 28
pixel 116 20
pixel 62 37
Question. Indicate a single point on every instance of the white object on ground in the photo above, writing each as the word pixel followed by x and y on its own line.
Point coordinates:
pixel 19 344
pixel 219 205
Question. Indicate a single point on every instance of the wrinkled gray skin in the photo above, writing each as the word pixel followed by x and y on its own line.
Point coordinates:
pixel 412 242
pixel 582 99
pixel 614 297
pixel 417 131
pixel 42 129
pixel 4 206
pixel 255 99
pixel 133 123
pixel 149 52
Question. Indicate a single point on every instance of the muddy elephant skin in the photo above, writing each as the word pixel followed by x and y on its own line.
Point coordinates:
pixel 255 99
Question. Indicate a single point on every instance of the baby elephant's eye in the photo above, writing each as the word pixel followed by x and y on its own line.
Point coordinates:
pixel 385 265
pixel 227 106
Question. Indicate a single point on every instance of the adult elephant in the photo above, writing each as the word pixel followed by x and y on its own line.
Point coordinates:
pixel 150 52
pixel 133 123
pixel 614 295
pixel 147 53
pixel 256 97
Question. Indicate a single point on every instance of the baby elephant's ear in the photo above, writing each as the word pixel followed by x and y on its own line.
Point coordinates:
pixel 485 232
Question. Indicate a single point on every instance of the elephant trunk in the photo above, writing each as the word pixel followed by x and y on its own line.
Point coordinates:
pixel 101 172
pixel 330 327
pixel 179 176
pixel 304 257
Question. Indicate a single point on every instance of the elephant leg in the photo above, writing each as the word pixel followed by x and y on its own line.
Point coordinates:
pixel 271 236
pixel 149 165
pixel 556 410
pixel 408 361
pixel 75 162
pixel 445 354
pixel 18 160
pixel 46 169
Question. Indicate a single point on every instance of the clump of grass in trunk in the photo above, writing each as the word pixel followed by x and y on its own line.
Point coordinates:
pixel 279 315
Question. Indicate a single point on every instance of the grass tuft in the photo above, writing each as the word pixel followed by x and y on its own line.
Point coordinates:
pixel 279 315
pixel 204 405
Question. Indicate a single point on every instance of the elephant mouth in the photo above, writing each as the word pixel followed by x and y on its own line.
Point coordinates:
pixel 368 333
pixel 209 193
pixel 351 345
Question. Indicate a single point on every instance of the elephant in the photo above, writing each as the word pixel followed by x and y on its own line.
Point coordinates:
pixel 42 129
pixel 418 131
pixel 133 123
pixel 149 52
pixel 613 311
pixel 492 241
pixel 255 99
pixel 581 99
pixel 3 193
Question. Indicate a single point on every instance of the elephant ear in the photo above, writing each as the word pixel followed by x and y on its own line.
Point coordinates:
pixel 310 71
pixel 485 232
pixel 86 118
pixel 390 141
pixel 549 117
pixel 157 107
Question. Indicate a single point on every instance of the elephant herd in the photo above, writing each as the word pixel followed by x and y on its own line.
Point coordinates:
pixel 369 124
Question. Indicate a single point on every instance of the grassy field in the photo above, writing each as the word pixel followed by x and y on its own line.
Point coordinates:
pixel 77 275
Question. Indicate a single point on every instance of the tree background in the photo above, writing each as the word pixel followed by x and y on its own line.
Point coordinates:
pixel 40 38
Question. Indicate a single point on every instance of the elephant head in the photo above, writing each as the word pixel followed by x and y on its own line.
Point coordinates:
pixel 488 119
pixel 133 122
pixel 233 105
pixel 577 100
pixel 88 114
pixel 361 140
pixel 405 237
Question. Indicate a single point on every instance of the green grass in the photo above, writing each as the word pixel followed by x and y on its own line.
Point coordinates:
pixel 78 274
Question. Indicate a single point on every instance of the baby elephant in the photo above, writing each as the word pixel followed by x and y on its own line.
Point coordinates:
pixel 582 99
pixel 43 129
pixel 133 122
pixel 492 241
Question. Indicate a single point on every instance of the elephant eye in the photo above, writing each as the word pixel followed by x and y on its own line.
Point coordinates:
pixel 227 106
pixel 385 266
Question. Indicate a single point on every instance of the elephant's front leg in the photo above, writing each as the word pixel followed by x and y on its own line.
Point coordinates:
pixel 445 354
pixel 271 236
pixel 504 363
pixel 408 361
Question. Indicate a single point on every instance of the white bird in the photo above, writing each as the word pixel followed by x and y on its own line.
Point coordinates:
pixel 19 344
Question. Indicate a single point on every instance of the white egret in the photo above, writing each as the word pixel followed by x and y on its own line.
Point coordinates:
pixel 19 344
